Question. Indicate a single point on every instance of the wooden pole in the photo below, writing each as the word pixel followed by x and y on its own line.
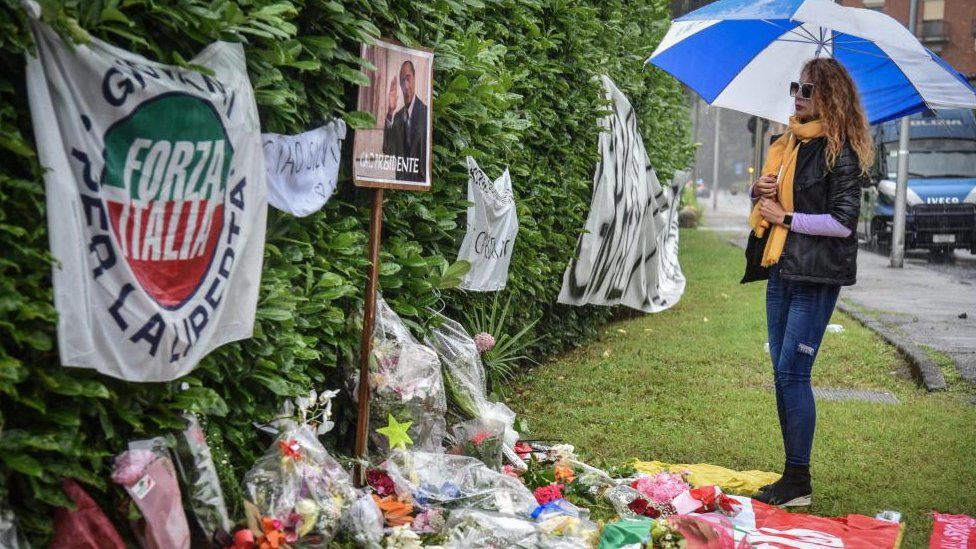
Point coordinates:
pixel 366 344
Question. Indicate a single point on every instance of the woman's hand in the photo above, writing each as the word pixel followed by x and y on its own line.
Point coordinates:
pixel 772 211
pixel 766 187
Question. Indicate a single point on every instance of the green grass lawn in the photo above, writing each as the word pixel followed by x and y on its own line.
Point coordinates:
pixel 693 384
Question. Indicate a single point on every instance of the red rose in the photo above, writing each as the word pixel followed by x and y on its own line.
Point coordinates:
pixel 641 506
pixel 638 506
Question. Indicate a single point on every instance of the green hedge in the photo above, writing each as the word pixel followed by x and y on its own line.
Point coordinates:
pixel 514 87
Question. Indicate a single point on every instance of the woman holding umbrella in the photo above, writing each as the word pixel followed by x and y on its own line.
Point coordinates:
pixel 804 243
pixel 739 55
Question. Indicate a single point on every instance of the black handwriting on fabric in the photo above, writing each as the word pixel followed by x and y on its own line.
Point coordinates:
pixel 626 224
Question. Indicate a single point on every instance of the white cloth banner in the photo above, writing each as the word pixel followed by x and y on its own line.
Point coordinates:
pixel 628 253
pixel 303 169
pixel 492 228
pixel 156 203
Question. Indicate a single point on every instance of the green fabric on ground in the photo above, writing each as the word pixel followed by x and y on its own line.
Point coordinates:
pixel 743 483
pixel 625 532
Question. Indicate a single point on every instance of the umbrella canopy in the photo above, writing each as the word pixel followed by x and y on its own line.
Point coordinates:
pixel 742 55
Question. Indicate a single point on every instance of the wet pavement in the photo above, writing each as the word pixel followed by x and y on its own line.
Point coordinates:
pixel 930 304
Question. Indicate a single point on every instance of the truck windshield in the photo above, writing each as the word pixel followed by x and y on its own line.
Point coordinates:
pixel 936 158
pixel 933 164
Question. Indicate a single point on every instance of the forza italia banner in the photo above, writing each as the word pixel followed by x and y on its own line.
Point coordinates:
pixel 156 203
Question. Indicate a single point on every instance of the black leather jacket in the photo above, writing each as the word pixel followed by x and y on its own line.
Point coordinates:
pixel 817 190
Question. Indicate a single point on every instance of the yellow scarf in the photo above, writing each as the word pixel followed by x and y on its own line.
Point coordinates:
pixel 781 163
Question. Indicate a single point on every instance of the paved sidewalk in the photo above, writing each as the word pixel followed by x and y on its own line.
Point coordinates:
pixel 918 303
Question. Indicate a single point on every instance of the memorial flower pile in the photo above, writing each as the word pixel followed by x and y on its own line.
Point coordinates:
pixel 296 492
pixel 476 488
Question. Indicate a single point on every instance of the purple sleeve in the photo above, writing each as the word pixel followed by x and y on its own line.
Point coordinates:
pixel 819 225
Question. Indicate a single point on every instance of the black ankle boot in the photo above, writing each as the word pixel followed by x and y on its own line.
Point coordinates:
pixel 792 490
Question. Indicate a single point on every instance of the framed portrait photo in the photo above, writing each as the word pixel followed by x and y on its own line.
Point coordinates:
pixel 396 152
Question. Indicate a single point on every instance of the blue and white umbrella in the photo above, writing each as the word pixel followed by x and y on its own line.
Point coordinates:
pixel 742 55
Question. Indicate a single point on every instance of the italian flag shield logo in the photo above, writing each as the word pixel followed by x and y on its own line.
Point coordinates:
pixel 164 183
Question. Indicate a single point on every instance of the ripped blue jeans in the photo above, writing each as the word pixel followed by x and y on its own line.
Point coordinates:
pixel 797 314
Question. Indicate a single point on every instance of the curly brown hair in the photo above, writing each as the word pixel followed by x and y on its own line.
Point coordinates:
pixel 836 100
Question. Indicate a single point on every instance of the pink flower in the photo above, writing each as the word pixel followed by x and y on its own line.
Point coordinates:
pixel 430 521
pixel 660 488
pixel 510 470
pixel 545 494
pixel 484 342
pixel 131 465
pixel 523 450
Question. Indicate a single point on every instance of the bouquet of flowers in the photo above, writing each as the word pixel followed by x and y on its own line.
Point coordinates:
pixel 199 475
pixel 666 536
pixel 705 499
pixel 482 439
pixel 563 525
pixel 553 472
pixel 631 504
pixel 405 381
pixel 656 493
pixel 147 473
pixel 464 374
pixel 396 509
pixel 464 378
pixel 660 488
pixel 9 535
pixel 297 493
pixel 431 521
pixel 435 480
pixel 364 522
pixel 476 529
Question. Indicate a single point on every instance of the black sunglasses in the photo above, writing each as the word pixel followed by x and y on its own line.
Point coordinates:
pixel 803 91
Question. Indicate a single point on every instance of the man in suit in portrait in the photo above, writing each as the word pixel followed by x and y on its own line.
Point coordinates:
pixel 405 130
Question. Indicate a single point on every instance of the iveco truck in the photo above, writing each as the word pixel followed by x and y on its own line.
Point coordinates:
pixel 941 201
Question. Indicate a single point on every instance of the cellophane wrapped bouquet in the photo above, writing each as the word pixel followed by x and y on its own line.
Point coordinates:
pixel 297 494
pixel 480 438
pixel 199 475
pixel 464 379
pixel 438 480
pixel 476 529
pixel 405 381
pixel 10 537
pixel 146 472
